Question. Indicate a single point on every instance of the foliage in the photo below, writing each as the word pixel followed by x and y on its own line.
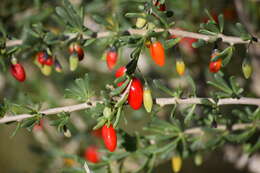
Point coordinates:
pixel 99 25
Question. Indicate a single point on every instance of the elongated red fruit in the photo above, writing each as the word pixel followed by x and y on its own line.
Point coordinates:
pixel 91 154
pixel 157 53
pixel 18 72
pixel 109 137
pixel 135 97
pixel 111 59
pixel 120 72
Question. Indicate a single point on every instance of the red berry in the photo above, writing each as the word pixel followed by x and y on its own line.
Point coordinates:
pixel 157 53
pixel 42 57
pixel 215 66
pixel 49 61
pixel 109 137
pixel 91 154
pixel 120 72
pixel 162 7
pixel 135 97
pixel 18 72
pixel 111 59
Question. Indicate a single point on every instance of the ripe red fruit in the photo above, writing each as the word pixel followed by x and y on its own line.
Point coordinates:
pixel 162 7
pixel 215 66
pixel 91 154
pixel 135 97
pixel 109 137
pixel 49 61
pixel 18 72
pixel 111 59
pixel 42 57
pixel 75 47
pixel 120 72
pixel 157 53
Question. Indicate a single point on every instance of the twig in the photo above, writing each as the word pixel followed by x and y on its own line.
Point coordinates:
pixel 199 131
pixel 51 111
pixel 228 39
pixel 159 101
pixel 226 101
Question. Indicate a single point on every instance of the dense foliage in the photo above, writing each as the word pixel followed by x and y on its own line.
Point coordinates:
pixel 141 81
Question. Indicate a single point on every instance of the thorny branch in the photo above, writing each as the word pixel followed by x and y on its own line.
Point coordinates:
pixel 159 101
pixel 228 39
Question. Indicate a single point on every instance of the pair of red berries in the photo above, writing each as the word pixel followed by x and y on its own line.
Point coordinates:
pixel 17 70
pixel 44 59
pixel 135 96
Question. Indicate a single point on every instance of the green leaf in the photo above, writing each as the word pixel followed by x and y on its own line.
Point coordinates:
pixel 207 102
pixel 171 42
pixel 62 13
pixel 221 22
pixel 228 56
pixel 27 123
pixel 121 88
pixel 16 129
pixel 100 20
pixel 88 42
pixel 81 90
pixel 221 84
pixel 211 26
pixel 120 79
pixel 199 43
pixel 4 107
pixel 241 28
pixel 207 32
pixel 235 86
pixel 192 84
pixel 158 85
pixel 209 15
pixel 242 137
pixel 135 15
pixel 244 35
pixel 73 13
pixel 190 114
